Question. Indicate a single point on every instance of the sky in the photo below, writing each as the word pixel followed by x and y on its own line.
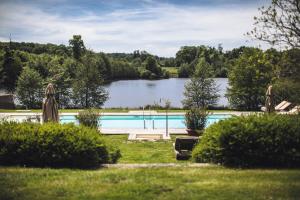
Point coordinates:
pixel 160 27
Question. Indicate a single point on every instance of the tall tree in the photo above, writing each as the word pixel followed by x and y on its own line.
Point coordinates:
pixel 287 81
pixel 151 65
pixel 77 46
pixel 248 79
pixel 87 87
pixel 61 79
pixel 186 54
pixel 279 23
pixel 40 64
pixel 11 69
pixel 104 66
pixel 29 88
pixel 201 90
pixel 124 70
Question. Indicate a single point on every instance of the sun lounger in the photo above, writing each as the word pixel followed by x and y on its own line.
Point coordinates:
pixel 294 110
pixel 284 107
pixel 280 107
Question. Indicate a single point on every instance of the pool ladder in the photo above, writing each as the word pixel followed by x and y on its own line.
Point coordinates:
pixel 153 127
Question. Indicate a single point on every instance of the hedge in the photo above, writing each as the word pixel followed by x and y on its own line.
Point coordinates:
pixel 53 145
pixel 88 118
pixel 252 141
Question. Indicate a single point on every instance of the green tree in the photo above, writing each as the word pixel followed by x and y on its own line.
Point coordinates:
pixel 121 69
pixel 61 79
pixel 104 66
pixel 287 89
pixel 151 65
pixel 71 66
pixel 201 90
pixel 11 69
pixel 77 45
pixel 279 23
pixel 87 87
pixel 29 88
pixel 188 57
pixel 290 64
pixel 184 71
pixel 248 79
pixel 186 54
pixel 137 62
pixel 40 64
pixel 287 80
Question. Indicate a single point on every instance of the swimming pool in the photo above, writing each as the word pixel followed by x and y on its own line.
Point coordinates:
pixel 141 122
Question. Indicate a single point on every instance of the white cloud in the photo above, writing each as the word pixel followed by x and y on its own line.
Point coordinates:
pixel 159 29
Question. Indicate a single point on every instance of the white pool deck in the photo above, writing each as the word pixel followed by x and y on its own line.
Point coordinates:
pixel 134 134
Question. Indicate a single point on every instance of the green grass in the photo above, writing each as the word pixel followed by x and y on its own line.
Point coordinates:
pixel 172 70
pixel 183 182
pixel 149 183
pixel 144 151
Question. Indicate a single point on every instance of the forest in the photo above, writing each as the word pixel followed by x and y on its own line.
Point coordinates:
pixel 78 73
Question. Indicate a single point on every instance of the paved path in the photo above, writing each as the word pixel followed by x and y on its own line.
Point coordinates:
pixel 153 165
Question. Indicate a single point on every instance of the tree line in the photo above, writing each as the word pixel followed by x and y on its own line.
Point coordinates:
pixel 79 73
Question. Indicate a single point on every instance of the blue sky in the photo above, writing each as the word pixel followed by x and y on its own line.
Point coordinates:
pixel 160 27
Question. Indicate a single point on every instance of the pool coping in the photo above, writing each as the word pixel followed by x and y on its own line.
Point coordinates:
pixel 24 115
pixel 237 113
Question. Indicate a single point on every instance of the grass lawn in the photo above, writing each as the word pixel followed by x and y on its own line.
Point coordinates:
pixel 172 70
pixel 148 183
pixel 144 151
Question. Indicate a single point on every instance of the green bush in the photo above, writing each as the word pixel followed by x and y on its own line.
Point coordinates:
pixel 252 141
pixel 53 145
pixel 88 118
pixel 165 73
pixel 153 76
pixel 145 74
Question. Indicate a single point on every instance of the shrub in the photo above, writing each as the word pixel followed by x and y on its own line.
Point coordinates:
pixel 145 74
pixel 256 140
pixel 88 118
pixel 53 145
pixel 184 71
pixel 166 74
pixel 153 76
pixel 195 119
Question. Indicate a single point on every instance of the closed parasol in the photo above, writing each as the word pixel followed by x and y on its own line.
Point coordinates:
pixel 269 100
pixel 50 108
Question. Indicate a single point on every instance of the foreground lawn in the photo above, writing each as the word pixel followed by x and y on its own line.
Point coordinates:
pixel 144 151
pixel 148 183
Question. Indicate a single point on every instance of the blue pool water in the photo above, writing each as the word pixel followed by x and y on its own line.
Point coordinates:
pixel 140 121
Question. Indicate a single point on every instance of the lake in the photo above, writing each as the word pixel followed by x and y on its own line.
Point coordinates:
pixel 139 93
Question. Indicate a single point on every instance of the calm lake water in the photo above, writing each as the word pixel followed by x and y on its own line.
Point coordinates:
pixel 138 93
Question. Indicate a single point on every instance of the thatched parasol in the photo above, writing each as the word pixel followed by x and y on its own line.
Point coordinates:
pixel 50 108
pixel 269 100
